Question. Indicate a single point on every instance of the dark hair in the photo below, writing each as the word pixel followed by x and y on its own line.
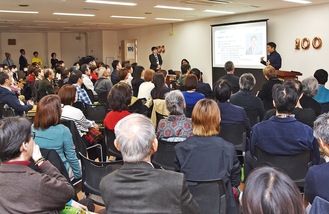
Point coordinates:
pixel 122 73
pixel 13 132
pixel 52 54
pixel 184 60
pixel 133 65
pixel 125 64
pixel 84 68
pixel 49 111
pixel 228 66
pixel 272 45
pixel 21 50
pixel 185 68
pixel 285 97
pixel 247 81
pixel 35 52
pixel 159 82
pixel 47 73
pixel 37 71
pixel 191 82
pixel 321 76
pixel 3 77
pixel 222 90
pixel 119 97
pixel 67 94
pixel 115 63
pixel 153 48
pixel 75 76
pixel 59 69
pixel 196 72
pixel 137 74
pixel 269 190
pixel 297 84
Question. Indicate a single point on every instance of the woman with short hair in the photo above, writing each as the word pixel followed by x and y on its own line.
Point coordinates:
pixel 146 87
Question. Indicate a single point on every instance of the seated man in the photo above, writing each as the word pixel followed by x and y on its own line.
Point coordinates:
pixel 317 176
pixel 8 97
pixel 230 77
pixel 24 190
pixel 203 88
pixel 45 85
pixel 137 187
pixel 282 134
pixel 77 80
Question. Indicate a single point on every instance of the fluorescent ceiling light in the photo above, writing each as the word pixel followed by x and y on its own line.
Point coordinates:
pixel 59 22
pixel 128 17
pixel 33 26
pixel 72 14
pixel 169 19
pixel 18 11
pixel 127 24
pixel 111 2
pixel 299 1
pixel 173 8
pixel 218 11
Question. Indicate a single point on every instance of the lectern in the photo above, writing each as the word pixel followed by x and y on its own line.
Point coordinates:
pixel 286 75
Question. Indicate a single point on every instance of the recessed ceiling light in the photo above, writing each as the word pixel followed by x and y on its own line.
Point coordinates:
pixel 299 1
pixel 218 11
pixel 59 22
pixel 173 8
pixel 128 17
pixel 169 19
pixel 72 14
pixel 111 2
pixel 18 11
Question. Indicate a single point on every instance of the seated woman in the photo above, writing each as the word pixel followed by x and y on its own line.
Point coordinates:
pixel 160 87
pixel 268 190
pixel 205 155
pixel 190 95
pixel 68 95
pixel 176 124
pixel 119 99
pixel 50 134
pixel 137 79
pixel 146 87
pixel 310 89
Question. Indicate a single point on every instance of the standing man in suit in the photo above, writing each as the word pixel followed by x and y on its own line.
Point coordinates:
pixel 230 77
pixel 22 60
pixel 137 187
pixel 273 58
pixel 155 59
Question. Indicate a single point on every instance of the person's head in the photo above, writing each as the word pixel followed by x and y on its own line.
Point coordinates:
pixel 205 118
pixel 119 97
pixel 196 72
pixel 5 79
pixel 137 75
pixel 159 82
pixel 8 55
pixel 247 81
pixel 321 131
pixel 22 51
pixel 76 77
pixel 175 102
pixel 125 63
pixel 123 74
pixel 229 67
pixel 269 72
pixel 268 190
pixel 65 74
pixel 15 138
pixel 164 72
pixel 135 138
pixel 35 54
pixel 285 98
pixel 148 75
pixel 85 69
pixel 49 74
pixel 49 111
pixel 154 50
pixel 222 90
pixel 53 55
pixel 38 72
pixel 321 76
pixel 185 68
pixel 191 82
pixel 103 72
pixel 184 62
pixel 116 65
pixel 68 94
pixel 310 86
pixel 297 84
pixel 271 46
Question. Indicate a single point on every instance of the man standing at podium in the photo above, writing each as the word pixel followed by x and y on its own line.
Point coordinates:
pixel 273 58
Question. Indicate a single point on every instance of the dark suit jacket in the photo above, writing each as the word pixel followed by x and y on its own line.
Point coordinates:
pixel 153 61
pixel 9 98
pixel 204 88
pixel 45 88
pixel 233 81
pixel 265 93
pixel 22 62
pixel 139 188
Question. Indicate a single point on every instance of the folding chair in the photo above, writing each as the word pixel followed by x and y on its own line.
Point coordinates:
pixel 235 134
pixel 109 141
pixel 96 113
pixel 253 116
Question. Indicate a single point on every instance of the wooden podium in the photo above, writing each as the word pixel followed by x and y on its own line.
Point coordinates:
pixel 285 75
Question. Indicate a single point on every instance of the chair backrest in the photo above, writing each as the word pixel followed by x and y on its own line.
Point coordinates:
pixel 77 140
pixel 210 195
pixel 6 111
pixel 93 172
pixel 109 141
pixel 139 106
pixel 188 110
pixel 90 95
pixel 165 156
pixel 319 205
pixel 236 134
pixel 96 113
pixel 102 98
pixel 253 116
pixel 158 118
pixel 2 105
pixel 296 166
pixel 80 105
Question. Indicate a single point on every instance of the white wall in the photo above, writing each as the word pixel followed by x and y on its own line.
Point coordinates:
pixel 111 45
pixel 95 45
pixel 73 48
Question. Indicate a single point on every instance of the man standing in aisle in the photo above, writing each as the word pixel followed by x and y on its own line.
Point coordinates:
pixel 155 59
pixel 22 60
pixel 273 58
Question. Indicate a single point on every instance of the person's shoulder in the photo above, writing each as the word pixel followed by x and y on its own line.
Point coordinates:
pixel 319 170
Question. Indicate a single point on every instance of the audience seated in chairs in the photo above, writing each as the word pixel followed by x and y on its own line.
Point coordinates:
pixel 206 156
pixel 103 85
pixel 137 79
pixel 282 134
pixel 86 78
pixel 246 99
pixel 50 134
pixel 304 115
pixel 190 95
pixel 310 89
pixel 268 190
pixel 46 189
pixel 45 86
pixel 317 176
pixel 160 87
pixel 67 95
pixel 138 186
pixel 146 87
pixel 203 88
pixel 176 124
pixel 77 80
pixel 229 77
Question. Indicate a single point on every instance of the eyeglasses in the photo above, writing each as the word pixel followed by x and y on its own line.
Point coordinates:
pixel 33 135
